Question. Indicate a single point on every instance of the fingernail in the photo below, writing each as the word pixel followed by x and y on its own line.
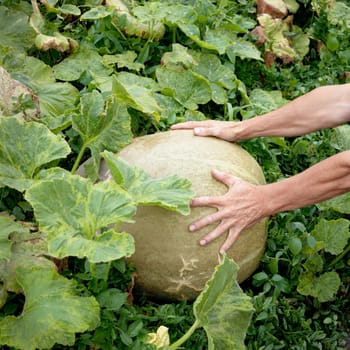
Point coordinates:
pixel 192 227
pixel 197 131
pixel 202 242
pixel 222 251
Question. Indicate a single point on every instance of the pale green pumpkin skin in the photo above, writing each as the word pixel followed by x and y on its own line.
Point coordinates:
pixel 170 263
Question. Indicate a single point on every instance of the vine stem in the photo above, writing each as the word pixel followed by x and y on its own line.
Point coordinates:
pixel 35 6
pixel 339 257
pixel 180 341
pixel 78 159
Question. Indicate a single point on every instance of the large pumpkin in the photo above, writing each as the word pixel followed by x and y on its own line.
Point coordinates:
pixel 170 263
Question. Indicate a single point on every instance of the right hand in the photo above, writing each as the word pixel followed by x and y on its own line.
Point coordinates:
pixel 224 130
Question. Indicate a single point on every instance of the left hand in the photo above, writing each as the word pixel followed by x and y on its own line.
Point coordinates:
pixel 240 207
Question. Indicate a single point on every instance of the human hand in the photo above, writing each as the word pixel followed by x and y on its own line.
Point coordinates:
pixel 242 206
pixel 229 131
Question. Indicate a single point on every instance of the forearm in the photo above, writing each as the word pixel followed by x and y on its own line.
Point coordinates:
pixel 324 107
pixel 325 180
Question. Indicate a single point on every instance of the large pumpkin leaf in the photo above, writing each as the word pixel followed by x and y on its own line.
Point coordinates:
pixel 28 249
pixel 22 152
pixel 171 192
pixel 85 61
pixel 27 68
pixel 128 89
pixel 186 87
pixel 262 101
pixel 55 99
pixel 334 234
pixel 323 287
pixel 193 32
pixel 220 38
pixel 223 310
pixel 243 49
pixel 126 59
pixel 8 226
pixel 340 204
pixel 77 214
pixel 220 77
pixel 53 312
pixel 15 31
pixel 102 126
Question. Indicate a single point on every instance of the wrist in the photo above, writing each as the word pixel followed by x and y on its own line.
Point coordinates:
pixel 275 198
pixel 243 131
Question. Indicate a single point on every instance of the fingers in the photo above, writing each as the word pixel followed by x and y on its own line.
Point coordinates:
pixel 205 220
pixel 192 125
pixel 225 178
pixel 207 201
pixel 233 233
pixel 218 231
pixel 200 128
pixel 232 237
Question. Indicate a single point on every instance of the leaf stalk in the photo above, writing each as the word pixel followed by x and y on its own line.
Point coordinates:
pixel 180 341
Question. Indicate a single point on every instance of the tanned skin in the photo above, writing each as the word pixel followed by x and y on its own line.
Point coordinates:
pixel 244 204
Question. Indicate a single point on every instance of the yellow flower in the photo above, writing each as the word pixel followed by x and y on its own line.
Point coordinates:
pixel 160 339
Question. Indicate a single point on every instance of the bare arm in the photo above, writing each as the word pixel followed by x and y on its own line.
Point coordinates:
pixel 244 204
pixel 323 107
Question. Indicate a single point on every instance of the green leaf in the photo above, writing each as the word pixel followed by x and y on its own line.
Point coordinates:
pixel 262 101
pixel 223 310
pixel 45 320
pixel 22 152
pixel 125 59
pixel 342 137
pixel 34 70
pixel 91 120
pixel 300 42
pixel 292 5
pixel 192 31
pixel 243 49
pixel 69 9
pixel 221 77
pixel 132 90
pixel 333 233
pixel 170 13
pixel 338 13
pixel 340 204
pixel 179 56
pixel 323 287
pixel 186 87
pixel 102 126
pixel 112 299
pixel 83 61
pixel 15 30
pixel 295 245
pixel 7 226
pixel 97 12
pixel 55 100
pixel 171 110
pixel 75 212
pixel 220 38
pixel 28 249
pixel 172 192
